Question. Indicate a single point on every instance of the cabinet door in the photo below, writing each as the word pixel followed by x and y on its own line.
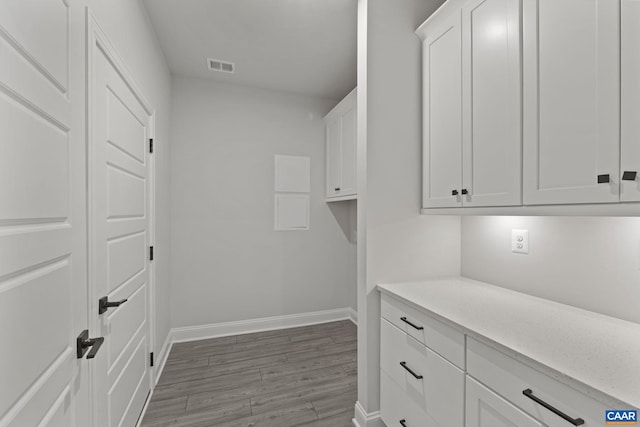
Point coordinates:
pixel 348 153
pixel 630 138
pixel 491 98
pixel 334 130
pixel 571 97
pixel 442 109
pixel 487 409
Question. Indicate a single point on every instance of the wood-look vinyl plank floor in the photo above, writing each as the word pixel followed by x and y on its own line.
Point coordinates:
pixel 304 376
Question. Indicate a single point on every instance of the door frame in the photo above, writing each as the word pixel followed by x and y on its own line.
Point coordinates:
pixel 97 39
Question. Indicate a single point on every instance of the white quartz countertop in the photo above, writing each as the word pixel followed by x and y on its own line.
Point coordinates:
pixel 597 354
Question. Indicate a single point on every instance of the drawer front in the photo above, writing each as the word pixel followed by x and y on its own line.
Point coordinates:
pixel 441 338
pixel 509 378
pixel 439 391
pixel 487 409
pixel 396 409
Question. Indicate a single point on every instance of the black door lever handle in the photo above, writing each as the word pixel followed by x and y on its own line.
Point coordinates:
pixel 96 343
pixel 104 304
pixel 83 342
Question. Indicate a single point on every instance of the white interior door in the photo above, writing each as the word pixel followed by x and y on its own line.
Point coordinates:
pixel 43 294
pixel 120 215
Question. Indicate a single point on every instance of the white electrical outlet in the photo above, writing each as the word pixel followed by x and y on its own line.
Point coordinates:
pixel 520 241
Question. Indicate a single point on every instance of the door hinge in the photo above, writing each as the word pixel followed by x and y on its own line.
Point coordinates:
pixel 150 253
pixel 151 358
pixel 151 145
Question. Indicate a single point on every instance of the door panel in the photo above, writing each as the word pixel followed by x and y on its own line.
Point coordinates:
pixel 46 48
pixel 334 146
pixel 442 109
pixel 126 323
pixel 630 137
pixel 120 183
pixel 571 100
pixel 492 146
pixel 125 193
pixel 125 130
pixel 42 234
pixel 487 409
pixel 39 162
pixel 125 258
pixel 348 156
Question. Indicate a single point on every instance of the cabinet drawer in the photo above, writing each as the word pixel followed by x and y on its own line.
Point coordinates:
pixel 397 409
pixel 442 339
pixel 509 378
pixel 425 378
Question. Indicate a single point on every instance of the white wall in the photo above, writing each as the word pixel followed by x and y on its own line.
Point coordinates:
pixel 591 263
pixel 400 243
pixel 129 29
pixel 228 263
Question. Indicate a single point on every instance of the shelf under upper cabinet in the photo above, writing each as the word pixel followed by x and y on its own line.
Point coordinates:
pixel 341 198
pixel 595 209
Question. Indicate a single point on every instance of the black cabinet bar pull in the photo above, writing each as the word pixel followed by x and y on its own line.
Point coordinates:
pixel 603 179
pixel 464 191
pixel 336 189
pixel 416 376
pixel 404 319
pixel 574 421
pixel 629 175
pixel 104 304
pixel 403 423
pixel 454 192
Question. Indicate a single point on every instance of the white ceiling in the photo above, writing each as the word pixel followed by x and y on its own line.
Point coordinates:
pixel 302 46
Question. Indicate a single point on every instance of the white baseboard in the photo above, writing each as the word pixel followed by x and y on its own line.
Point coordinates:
pixel 163 354
pixel 353 316
pixel 192 333
pixel 364 419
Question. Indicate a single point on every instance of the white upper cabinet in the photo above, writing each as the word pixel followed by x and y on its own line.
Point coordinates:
pixel 442 109
pixel 630 120
pixel 471 105
pixel 571 101
pixel 341 149
pixel 533 105
pixel 491 103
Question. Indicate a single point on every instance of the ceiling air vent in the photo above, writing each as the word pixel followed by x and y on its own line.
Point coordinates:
pixel 222 66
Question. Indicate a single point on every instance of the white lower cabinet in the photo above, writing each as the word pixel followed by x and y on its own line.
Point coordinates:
pixel 433 375
pixel 399 411
pixel 417 383
pixel 530 390
pixel 484 408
